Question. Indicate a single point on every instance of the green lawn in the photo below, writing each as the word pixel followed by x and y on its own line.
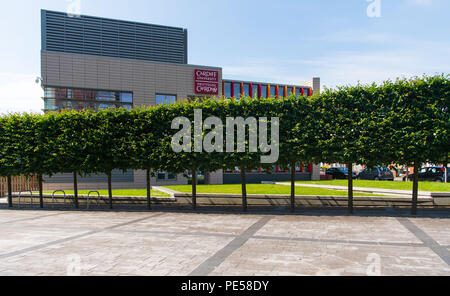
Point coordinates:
pixel 423 186
pixel 120 192
pixel 260 189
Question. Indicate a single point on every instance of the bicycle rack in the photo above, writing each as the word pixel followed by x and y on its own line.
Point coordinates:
pixel 53 197
pixel 89 196
pixel 31 197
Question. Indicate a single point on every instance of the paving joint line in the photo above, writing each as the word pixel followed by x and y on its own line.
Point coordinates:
pixel 177 233
pixel 70 238
pixel 371 243
pixel 428 241
pixel 31 219
pixel 219 257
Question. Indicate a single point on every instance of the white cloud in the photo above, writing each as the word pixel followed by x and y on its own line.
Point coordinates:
pixel 20 93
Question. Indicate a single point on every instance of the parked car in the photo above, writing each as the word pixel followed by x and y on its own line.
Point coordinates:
pixel 376 173
pixel 339 173
pixel 432 174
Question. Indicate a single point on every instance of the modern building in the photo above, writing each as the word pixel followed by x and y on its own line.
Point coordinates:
pixel 97 63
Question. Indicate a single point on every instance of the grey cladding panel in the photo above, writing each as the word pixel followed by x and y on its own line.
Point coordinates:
pixel 117 177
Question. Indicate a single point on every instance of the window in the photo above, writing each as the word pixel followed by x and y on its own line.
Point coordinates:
pixel 237 90
pixel 79 99
pixel 281 93
pixel 78 94
pixel 264 91
pixel 164 176
pixel 246 89
pixel 255 91
pixel 165 99
pixel 298 91
pixel 273 91
pixel 196 99
pixel 126 97
pixel 161 176
pixel 102 106
pixel 290 90
pixel 49 93
pixel 227 89
pixel 105 96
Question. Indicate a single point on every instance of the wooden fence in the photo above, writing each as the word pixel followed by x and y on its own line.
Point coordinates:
pixel 18 183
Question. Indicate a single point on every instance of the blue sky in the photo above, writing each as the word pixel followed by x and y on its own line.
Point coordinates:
pixel 286 41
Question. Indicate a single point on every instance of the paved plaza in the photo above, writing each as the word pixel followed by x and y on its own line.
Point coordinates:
pixel 224 242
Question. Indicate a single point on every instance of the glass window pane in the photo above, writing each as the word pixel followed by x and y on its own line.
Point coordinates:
pixel 237 90
pixel 49 92
pixel 60 93
pixel 165 99
pixel 281 91
pixel 246 89
pixel 273 91
pixel 289 91
pixel 264 91
pixel 126 97
pixel 161 176
pixel 227 89
pixel 255 90
pixel 78 94
pixel 105 96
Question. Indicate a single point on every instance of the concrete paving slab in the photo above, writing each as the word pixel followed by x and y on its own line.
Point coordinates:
pixel 176 242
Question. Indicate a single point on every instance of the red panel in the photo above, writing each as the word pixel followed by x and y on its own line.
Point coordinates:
pixel 277 93
pixel 206 82
pixel 303 91
pixel 259 91
pixel 242 88
pixel 232 89
pixel 251 90
pixel 310 167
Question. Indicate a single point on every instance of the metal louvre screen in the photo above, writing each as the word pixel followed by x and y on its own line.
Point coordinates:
pixel 113 38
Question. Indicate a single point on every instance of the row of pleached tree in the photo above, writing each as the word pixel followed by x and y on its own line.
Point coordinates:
pixel 404 122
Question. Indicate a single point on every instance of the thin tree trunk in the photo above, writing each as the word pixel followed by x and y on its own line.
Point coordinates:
pixel 149 187
pixel 10 201
pixel 415 189
pixel 350 189
pixel 75 189
pixel 194 189
pixel 110 189
pixel 244 190
pixel 41 194
pixel 293 187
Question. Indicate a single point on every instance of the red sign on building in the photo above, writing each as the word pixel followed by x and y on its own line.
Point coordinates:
pixel 206 82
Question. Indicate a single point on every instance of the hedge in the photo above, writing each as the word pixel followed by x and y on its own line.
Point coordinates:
pixel 404 121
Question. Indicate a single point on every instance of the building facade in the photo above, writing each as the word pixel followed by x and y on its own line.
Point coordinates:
pixel 97 63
